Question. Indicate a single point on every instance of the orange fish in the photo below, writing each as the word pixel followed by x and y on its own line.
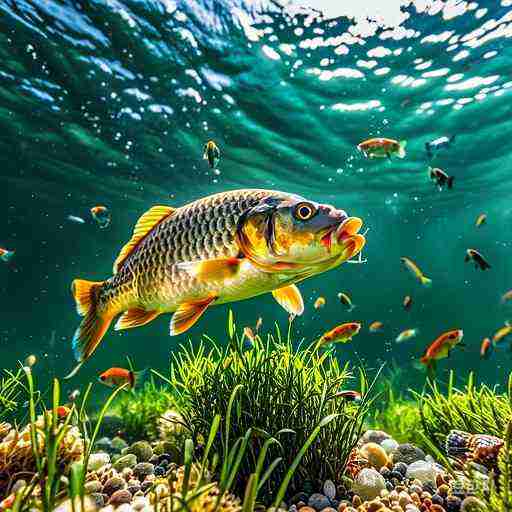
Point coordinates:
pixel 381 147
pixel 249 334
pixel 407 303
pixel 340 334
pixel 485 348
pixel 6 255
pixel 442 346
pixel 259 323
pixel 376 326
pixel 101 215
pixel 482 219
pixel 319 303
pixel 502 332
pixel 114 377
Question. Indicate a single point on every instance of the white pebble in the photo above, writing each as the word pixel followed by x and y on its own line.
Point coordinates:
pixel 330 489
pixel 97 461
pixel 389 445
pixel 422 470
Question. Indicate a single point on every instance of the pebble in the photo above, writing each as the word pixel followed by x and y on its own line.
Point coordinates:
pixel 113 484
pixel 94 486
pixel 120 497
pixel 368 484
pixel 97 461
pixel 407 453
pixel 329 489
pixel 374 436
pixel 125 461
pixel 104 444
pixel 318 501
pixel 374 454
pixel 118 444
pixel 142 450
pixel 422 470
pixel 139 502
pixel 143 469
pixel 389 445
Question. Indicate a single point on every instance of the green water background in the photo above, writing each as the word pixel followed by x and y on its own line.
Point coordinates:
pixel 111 102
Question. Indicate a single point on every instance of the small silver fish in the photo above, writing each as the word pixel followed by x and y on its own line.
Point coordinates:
pixel 75 219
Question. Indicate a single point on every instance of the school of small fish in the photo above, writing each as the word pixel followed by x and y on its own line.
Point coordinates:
pixel 270 240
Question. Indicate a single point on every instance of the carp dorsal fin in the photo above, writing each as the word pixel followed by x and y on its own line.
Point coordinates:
pixel 145 224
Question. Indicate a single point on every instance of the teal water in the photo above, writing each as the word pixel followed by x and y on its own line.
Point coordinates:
pixel 110 103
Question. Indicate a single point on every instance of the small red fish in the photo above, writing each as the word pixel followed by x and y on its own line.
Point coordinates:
pixel 485 348
pixel 114 377
pixel 407 303
pixel 480 261
pixel 349 395
pixel 442 346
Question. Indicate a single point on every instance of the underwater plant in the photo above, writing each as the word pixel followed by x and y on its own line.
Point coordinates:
pixel 399 417
pixel 283 393
pixel 141 409
pixel 499 498
pixel 475 409
pixel 10 388
pixel 54 444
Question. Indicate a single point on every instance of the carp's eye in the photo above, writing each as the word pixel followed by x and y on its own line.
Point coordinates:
pixel 452 336
pixel 304 211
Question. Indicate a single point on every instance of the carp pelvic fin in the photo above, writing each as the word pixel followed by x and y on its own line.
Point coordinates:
pixel 152 218
pixel 135 318
pixel 93 327
pixel 290 299
pixel 212 270
pixel 188 314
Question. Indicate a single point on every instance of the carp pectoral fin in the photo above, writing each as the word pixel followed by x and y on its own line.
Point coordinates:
pixel 188 314
pixel 290 299
pixel 144 226
pixel 211 270
pixel 135 318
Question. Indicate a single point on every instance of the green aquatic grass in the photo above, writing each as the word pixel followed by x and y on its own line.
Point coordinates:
pixel 47 437
pixel 474 408
pixel 141 409
pixel 281 393
pixel 399 417
pixel 11 388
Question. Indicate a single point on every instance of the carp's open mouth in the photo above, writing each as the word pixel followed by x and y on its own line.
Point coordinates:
pixel 347 235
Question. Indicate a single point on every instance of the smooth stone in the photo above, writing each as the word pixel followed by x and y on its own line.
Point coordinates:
pixel 407 453
pixel 125 461
pixel 118 444
pixel 374 436
pixel 368 484
pixel 318 501
pixel 307 509
pixel 113 484
pixel 142 450
pixel 374 454
pixel 329 489
pixel 124 507
pixel 104 444
pixel 421 470
pixel 293 508
pixel 389 445
pixel 97 461
pixel 120 497
pixel 139 502
pixel 143 469
pixel 94 486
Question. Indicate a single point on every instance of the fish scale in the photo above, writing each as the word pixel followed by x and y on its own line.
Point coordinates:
pixel 204 229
